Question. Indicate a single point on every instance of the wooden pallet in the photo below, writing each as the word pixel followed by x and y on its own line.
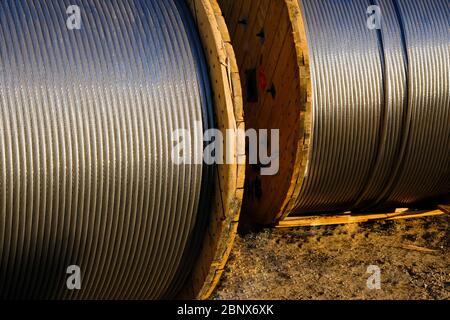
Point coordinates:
pixel 346 218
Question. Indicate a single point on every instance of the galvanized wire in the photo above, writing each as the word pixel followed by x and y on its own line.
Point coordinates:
pixel 395 119
pixel 86 123
pixel 424 172
pixel 380 122
pixel 348 105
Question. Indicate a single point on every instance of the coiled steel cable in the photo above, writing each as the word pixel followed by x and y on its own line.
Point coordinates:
pixel 86 123
pixel 380 122
pixel 395 114
pixel 347 86
pixel 425 168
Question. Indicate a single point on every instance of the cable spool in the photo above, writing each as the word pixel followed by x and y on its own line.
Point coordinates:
pixel 363 114
pixel 86 125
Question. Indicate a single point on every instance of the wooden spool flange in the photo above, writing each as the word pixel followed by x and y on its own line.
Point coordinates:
pixel 269 39
pixel 225 83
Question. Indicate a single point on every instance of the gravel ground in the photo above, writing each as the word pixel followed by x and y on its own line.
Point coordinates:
pixel 331 262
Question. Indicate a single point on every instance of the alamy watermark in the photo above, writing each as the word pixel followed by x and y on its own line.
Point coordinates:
pixel 73 281
pixel 374 280
pixel 74 20
pixel 374 20
pixel 263 147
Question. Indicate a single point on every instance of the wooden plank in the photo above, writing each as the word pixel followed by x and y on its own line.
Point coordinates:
pixel 418 249
pixel 445 208
pixel 323 220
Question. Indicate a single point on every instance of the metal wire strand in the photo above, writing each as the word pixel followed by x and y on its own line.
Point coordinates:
pixel 86 123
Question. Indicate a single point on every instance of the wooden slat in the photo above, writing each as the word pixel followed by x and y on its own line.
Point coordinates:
pixel 314 221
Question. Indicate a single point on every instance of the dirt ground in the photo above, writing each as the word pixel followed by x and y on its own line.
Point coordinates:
pixel 331 262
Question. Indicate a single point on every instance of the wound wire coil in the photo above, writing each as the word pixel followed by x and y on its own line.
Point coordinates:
pixel 86 123
pixel 425 170
pixel 381 122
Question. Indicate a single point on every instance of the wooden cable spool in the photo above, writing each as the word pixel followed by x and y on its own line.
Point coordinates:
pixel 272 50
pixel 99 192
